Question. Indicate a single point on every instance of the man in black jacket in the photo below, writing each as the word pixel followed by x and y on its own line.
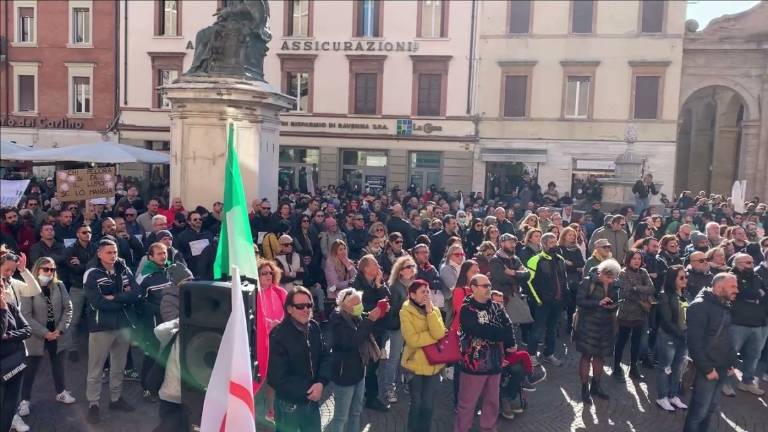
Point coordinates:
pixel 507 271
pixel 111 291
pixel 299 365
pixel 699 275
pixel 48 246
pixel 710 347
pixel 76 258
pixel 193 242
pixel 439 241
pixel 397 223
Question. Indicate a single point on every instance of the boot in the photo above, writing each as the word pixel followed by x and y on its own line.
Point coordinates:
pixel 585 396
pixel 596 390
pixel 634 373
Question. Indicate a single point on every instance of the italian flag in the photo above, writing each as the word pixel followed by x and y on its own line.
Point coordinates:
pixel 229 402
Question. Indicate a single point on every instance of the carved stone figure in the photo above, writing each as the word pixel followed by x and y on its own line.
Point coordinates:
pixel 236 44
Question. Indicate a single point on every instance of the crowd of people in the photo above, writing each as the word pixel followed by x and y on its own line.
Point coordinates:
pixel 369 283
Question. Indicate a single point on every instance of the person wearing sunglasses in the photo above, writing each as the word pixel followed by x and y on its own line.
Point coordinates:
pixel 393 250
pixel 49 315
pixel 298 371
pixel 272 297
pixel 699 275
pixel 600 253
pixel 76 258
pixel 14 329
pixel 15 289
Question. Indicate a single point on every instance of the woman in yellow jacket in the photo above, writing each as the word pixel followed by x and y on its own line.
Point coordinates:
pixel 422 325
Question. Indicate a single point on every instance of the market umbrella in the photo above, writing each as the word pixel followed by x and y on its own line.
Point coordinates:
pixel 8 149
pixel 103 152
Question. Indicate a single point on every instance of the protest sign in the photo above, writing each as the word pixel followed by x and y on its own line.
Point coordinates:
pixel 11 192
pixel 85 184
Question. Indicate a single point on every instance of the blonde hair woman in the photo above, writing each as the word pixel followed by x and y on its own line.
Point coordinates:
pixel 531 221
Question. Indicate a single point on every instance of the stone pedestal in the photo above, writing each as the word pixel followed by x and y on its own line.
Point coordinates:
pixel 201 110
pixel 617 191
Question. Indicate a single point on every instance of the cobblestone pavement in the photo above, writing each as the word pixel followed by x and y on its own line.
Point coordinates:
pixel 554 407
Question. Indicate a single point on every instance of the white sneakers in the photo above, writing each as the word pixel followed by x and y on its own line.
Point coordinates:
pixel 18 424
pixel 677 403
pixel 664 404
pixel 751 387
pixel 23 408
pixel 65 397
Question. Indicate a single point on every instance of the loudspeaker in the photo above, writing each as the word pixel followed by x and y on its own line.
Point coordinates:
pixel 204 310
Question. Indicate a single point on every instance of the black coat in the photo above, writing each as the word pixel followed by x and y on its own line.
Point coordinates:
pixel 696 282
pixel 13 329
pixel 76 271
pixel 709 341
pixel 750 309
pixel 438 245
pixel 668 314
pixel 593 329
pixel 398 224
pixel 115 314
pixel 349 334
pixel 371 296
pixel 297 360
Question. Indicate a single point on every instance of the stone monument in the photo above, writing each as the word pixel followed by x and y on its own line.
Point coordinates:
pixel 617 191
pixel 226 84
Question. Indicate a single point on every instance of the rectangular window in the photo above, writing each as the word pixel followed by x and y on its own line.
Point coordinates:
pixel 582 16
pixel 169 19
pixel 652 16
pixel 368 14
pixel 519 16
pixel 298 87
pixel 366 91
pixel 166 76
pixel 577 97
pixel 298 22
pixel 429 94
pixel 647 97
pixel 81 95
pixel 81 26
pixel 432 25
pixel 26 93
pixel 515 92
pixel 26 28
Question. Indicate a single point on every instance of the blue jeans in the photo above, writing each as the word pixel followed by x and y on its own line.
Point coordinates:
pixel 670 353
pixel 749 341
pixel 389 367
pixel 545 317
pixel 641 204
pixel 348 405
pixel 704 402
pixel 423 392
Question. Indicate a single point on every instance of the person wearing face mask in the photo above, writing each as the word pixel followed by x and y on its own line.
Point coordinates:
pixel 353 347
pixel 749 322
pixel 49 315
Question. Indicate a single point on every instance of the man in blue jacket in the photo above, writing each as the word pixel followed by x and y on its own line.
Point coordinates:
pixel 111 292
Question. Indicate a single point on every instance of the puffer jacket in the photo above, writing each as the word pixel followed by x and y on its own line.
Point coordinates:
pixel 420 329
pixel 635 286
pixel 593 328
pixel 104 314
pixel 709 341
pixel 484 331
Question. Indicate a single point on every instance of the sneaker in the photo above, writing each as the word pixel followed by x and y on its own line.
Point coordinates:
pixel 765 376
pixel 536 377
pixel 728 390
pixel 535 361
pixel 391 397
pixel 130 375
pixel 665 405
pixel 677 403
pixel 752 387
pixel 149 396
pixel 74 356
pixel 506 409
pixel 105 376
pixel 554 361
pixel 618 375
pixel 377 405
pixel 270 416
pixel 94 415
pixel 18 424
pixel 23 408
pixel 121 405
pixel 516 406
pixel 65 397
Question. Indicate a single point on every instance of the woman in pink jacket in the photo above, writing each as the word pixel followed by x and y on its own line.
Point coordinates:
pixel 270 301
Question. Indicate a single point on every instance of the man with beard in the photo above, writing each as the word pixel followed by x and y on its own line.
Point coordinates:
pixel 699 242
pixel 684 236
pixel 742 244
pixel 712 230
pixel 699 275
pixel 546 286
pixel 440 239
pixel 356 237
pixel 195 244
pixel 749 322
pixel 48 247
pixel 655 269
pixel 505 225
pixel 9 227
pixel 507 271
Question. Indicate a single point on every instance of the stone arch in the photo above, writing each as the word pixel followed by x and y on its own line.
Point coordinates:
pixel 752 104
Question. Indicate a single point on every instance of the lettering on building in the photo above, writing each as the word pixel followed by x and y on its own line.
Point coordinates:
pixel 359 46
pixel 40 123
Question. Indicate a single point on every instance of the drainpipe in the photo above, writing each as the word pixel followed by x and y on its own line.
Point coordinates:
pixel 470 75
pixel 116 108
pixel 7 62
pixel 125 54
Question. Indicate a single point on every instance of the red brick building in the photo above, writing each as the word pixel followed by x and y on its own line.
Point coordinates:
pixel 58 71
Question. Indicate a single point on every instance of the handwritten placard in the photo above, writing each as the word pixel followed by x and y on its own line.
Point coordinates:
pixel 85 184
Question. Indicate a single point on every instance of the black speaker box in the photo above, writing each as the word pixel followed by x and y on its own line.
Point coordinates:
pixel 204 310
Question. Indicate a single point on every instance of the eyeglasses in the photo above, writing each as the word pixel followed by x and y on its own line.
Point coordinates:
pixel 84 232
pixel 458 254
pixel 305 221
pixel 398 242
pixel 302 306
pixel 265 273
pixel 379 229
pixel 48 269
pixel 71 208
pixel 266 208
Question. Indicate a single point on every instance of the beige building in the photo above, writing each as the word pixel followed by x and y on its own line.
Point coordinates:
pixel 382 87
pixel 564 86
pixel 723 133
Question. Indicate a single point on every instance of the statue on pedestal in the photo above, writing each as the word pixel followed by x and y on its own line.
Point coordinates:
pixel 236 44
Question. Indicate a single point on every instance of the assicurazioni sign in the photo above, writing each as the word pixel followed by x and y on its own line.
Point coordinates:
pixel 41 123
pixel 359 46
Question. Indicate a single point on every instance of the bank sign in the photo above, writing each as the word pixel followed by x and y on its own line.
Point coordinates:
pixel 351 46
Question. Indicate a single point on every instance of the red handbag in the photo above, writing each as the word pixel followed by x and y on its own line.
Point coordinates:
pixel 447 350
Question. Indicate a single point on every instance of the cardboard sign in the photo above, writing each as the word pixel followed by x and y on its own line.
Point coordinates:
pixel 11 192
pixel 85 184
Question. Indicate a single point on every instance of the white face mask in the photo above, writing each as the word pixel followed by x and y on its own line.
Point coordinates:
pixel 44 279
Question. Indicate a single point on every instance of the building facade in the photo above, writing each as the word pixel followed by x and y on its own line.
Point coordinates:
pixel 382 88
pixel 57 72
pixel 723 134
pixel 567 86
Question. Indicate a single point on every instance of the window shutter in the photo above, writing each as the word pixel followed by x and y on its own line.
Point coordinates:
pixel 582 16
pixel 519 16
pixel 515 89
pixel 653 16
pixel 646 97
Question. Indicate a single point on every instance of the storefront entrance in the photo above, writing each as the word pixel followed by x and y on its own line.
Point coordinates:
pixel 364 170
pixel 298 169
pixel 503 180
pixel 424 170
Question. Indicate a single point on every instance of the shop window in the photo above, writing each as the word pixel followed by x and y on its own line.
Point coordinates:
pixel 298 169
pixel 425 170
pixel 582 16
pixel 652 16
pixel 364 170
pixel 519 12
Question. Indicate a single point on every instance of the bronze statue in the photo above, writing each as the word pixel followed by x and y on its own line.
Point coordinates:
pixel 236 44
